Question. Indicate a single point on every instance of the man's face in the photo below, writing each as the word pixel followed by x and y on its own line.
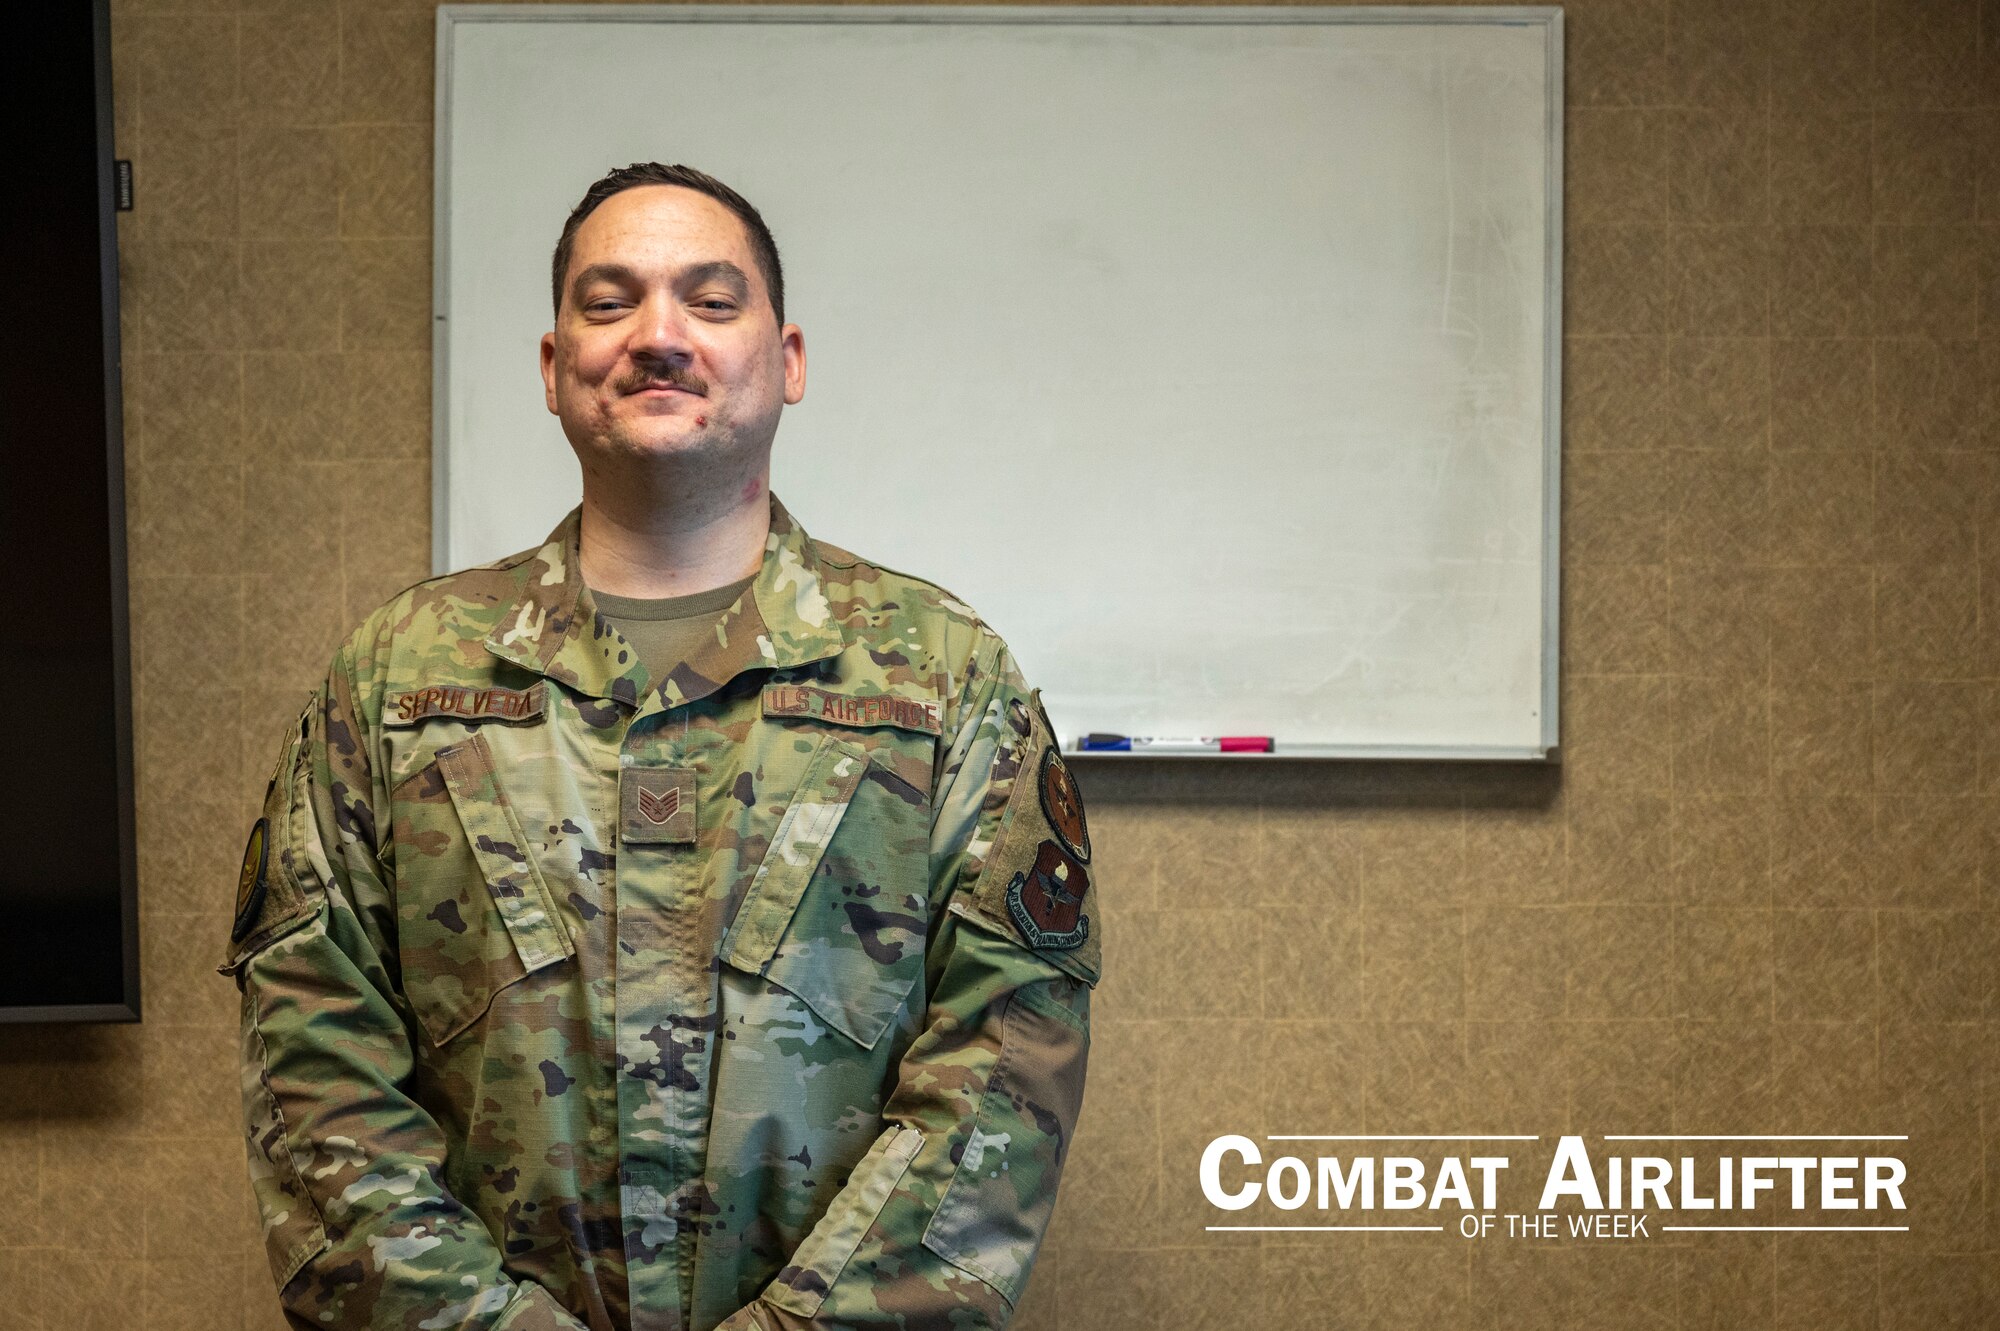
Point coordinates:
pixel 666 342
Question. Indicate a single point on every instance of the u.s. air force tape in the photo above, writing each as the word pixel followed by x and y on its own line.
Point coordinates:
pixel 852 709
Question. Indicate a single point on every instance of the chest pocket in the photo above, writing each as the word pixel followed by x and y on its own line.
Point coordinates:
pixel 838 911
pixel 474 914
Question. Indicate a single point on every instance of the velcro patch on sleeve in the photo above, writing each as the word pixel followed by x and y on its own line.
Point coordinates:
pixel 853 709
pixel 466 704
pixel 273 895
pixel 1036 883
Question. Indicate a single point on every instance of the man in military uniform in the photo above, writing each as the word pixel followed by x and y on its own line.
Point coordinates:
pixel 732 973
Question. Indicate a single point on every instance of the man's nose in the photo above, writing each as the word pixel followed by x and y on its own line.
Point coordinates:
pixel 660 332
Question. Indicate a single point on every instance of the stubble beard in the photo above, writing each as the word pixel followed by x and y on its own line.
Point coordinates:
pixel 703 469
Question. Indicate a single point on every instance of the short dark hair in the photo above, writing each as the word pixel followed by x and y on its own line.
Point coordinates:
pixel 653 173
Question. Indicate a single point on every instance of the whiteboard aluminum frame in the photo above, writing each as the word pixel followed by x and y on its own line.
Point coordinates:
pixel 1548 18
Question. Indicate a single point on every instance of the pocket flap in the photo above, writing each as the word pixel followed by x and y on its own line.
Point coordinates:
pixel 499 843
pixel 850 947
pixel 809 822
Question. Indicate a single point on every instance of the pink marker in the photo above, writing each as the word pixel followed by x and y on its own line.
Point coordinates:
pixel 1225 744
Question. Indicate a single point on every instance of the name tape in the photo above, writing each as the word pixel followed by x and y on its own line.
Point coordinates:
pixel 466 704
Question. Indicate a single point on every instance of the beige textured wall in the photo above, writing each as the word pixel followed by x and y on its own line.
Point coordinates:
pixel 1761 895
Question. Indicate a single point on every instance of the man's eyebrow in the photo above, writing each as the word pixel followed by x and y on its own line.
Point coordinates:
pixel 719 270
pixel 713 270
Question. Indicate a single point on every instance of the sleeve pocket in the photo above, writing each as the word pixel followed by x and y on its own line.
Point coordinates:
pixel 997 1206
pixel 801 1286
pixel 293 1232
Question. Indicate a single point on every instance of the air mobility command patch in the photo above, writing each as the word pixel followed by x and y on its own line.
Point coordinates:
pixel 1063 805
pixel 250 879
pixel 1036 882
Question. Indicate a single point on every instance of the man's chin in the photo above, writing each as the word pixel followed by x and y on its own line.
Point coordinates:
pixel 667 439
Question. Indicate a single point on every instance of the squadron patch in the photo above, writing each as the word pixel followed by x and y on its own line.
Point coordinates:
pixel 1063 805
pixel 250 880
pixel 1046 899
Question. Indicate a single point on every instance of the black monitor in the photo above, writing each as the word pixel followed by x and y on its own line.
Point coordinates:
pixel 69 924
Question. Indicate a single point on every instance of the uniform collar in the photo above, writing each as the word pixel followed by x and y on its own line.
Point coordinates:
pixel 552 627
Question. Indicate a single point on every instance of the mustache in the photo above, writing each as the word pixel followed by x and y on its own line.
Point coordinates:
pixel 665 379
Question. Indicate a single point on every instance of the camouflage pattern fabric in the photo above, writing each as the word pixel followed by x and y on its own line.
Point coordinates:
pixel 755 997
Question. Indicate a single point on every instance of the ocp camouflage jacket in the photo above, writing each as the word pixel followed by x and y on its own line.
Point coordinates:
pixel 753 997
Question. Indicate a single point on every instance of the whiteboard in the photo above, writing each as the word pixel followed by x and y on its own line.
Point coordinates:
pixel 1211 354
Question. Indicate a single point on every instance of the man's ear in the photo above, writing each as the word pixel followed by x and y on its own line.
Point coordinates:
pixel 549 371
pixel 794 341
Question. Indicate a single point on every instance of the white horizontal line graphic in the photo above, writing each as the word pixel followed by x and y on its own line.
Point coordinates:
pixel 1788 1229
pixel 1337 1229
pixel 1391 1137
pixel 1769 1137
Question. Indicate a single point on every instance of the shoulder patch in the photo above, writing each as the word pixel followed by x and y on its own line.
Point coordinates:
pixel 1062 804
pixel 250 880
pixel 1046 899
pixel 272 896
pixel 1036 883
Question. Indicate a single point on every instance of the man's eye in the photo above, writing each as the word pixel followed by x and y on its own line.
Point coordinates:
pixel 723 303
pixel 599 304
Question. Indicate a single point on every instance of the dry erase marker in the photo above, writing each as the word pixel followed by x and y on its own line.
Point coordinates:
pixel 1102 743
pixel 1220 744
